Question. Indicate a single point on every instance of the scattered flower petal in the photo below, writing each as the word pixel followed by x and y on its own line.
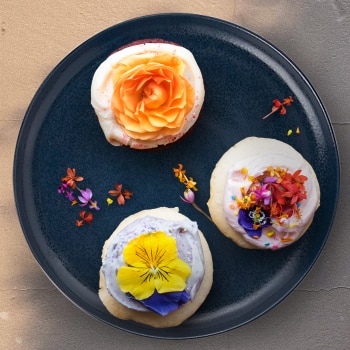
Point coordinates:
pixel 121 195
pixel 71 178
pixel 85 197
pixel 87 217
pixel 278 105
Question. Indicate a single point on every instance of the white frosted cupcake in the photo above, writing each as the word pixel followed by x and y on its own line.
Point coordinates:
pixel 263 194
pixel 147 94
pixel 156 268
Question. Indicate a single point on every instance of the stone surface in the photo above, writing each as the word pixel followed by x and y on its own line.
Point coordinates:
pixel 35 36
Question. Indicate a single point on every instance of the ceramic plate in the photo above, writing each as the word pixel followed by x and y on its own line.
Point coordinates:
pixel 243 74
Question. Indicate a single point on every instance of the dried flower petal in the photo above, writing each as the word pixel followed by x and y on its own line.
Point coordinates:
pixel 71 178
pixel 278 105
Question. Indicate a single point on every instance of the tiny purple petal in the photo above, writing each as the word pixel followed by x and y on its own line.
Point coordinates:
pixel 267 200
pixel 93 205
pixel 270 179
pixel 63 188
pixel 87 194
pixel 83 201
pixel 70 196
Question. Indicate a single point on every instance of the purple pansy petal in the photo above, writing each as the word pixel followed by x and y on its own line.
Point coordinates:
pixel 254 233
pixel 165 303
pixel 247 223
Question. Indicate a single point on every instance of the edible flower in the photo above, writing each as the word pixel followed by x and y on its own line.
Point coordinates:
pixel 153 268
pixel 121 195
pixel 85 217
pixel 253 221
pixel 86 199
pixel 190 184
pixel 71 178
pixel 188 196
pixel 276 193
pixel 278 105
pixel 151 95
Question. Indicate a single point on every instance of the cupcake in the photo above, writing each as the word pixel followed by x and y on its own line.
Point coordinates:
pixel 263 194
pixel 156 268
pixel 147 94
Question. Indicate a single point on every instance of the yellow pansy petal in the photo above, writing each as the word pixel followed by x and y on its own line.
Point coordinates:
pixel 147 249
pixel 134 281
pixel 175 276
pixel 153 265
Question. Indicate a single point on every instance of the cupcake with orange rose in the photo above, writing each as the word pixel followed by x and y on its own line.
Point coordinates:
pixel 147 94
pixel 156 269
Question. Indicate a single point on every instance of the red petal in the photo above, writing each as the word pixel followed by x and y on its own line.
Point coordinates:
pixel 121 200
pixel 79 223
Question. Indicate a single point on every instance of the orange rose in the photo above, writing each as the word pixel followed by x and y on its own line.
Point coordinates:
pixel 151 96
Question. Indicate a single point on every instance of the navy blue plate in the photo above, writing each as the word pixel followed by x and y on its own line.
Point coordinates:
pixel 243 74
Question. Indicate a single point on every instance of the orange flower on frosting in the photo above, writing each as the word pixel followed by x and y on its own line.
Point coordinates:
pixel 151 96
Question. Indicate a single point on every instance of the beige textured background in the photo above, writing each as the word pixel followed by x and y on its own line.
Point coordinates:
pixel 35 35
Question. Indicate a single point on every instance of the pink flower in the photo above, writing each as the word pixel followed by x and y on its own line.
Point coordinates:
pixel 262 192
pixel 188 196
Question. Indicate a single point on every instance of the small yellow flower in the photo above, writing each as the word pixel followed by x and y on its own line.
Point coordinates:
pixel 152 264
pixel 109 201
pixel 191 184
pixel 180 173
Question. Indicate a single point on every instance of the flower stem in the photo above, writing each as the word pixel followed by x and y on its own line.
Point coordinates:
pixel 272 112
pixel 201 211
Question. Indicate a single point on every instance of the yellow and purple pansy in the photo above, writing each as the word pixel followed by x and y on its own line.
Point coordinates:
pixel 153 273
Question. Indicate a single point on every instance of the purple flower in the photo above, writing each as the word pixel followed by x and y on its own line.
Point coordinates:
pixel 69 195
pixel 164 303
pixel 93 205
pixel 63 188
pixel 188 196
pixel 263 193
pixel 253 220
pixel 85 197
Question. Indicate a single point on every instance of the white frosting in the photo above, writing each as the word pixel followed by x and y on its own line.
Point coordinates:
pixel 102 90
pixel 256 155
pixel 188 244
